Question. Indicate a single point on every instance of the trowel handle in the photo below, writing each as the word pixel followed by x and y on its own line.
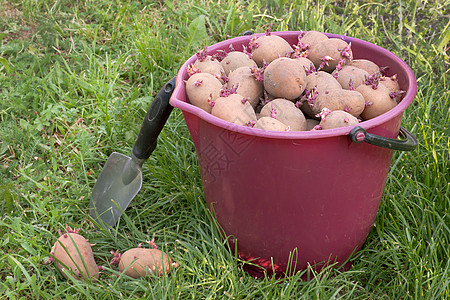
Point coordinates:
pixel 154 121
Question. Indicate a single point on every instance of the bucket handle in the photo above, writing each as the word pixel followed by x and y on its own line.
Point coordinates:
pixel 407 141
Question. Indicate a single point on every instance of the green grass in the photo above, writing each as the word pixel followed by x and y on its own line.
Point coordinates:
pixel 76 78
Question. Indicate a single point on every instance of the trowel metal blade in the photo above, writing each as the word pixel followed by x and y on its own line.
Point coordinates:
pixel 118 183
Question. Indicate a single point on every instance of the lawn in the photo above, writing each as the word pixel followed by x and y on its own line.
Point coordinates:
pixel 76 79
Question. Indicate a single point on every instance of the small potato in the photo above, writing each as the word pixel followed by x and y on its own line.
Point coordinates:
pixel 286 112
pixel 331 47
pixel 211 66
pixel 350 77
pixel 268 123
pixel 367 65
pixel 236 59
pixel 139 262
pixel 270 47
pixel 285 78
pixel 338 118
pixel 246 84
pixel 234 109
pixel 200 87
pixel 73 252
pixel 377 101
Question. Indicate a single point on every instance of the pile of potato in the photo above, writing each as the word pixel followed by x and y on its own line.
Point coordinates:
pixel 272 85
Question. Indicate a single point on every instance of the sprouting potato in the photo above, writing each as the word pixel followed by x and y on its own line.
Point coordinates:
pixel 327 54
pixel 211 66
pixel 285 78
pixel 286 82
pixel 336 119
pixel 201 89
pixel 236 59
pixel 365 64
pixel 269 123
pixel 234 108
pixel 350 77
pixel 73 253
pixel 247 84
pixel 267 48
pixel 286 112
pixel 377 101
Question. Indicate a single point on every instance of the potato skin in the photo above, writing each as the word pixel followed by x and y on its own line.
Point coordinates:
pixel 247 85
pixel 365 64
pixel 199 93
pixel 323 83
pixel 211 66
pixel 232 109
pixel 356 75
pixel 377 101
pixel 270 47
pixel 311 123
pixel 351 102
pixel 285 78
pixel 338 118
pixel 268 123
pixel 286 112
pixel 139 262
pixel 236 59
pixel 390 83
pixel 312 38
pixel 331 47
pixel 65 251
pixel 305 62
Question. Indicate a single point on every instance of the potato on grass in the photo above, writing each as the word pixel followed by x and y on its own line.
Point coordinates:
pixel 200 88
pixel 73 253
pixel 336 119
pixel 139 262
pixel 377 101
pixel 247 84
pixel 286 112
pixel 234 108
pixel 285 78
pixel 268 48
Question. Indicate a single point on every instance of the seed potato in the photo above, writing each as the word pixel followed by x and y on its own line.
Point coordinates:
pixel 234 109
pixel 338 118
pixel 270 47
pixel 200 87
pixel 285 78
pixel 286 112
pixel 247 85
pixel 377 101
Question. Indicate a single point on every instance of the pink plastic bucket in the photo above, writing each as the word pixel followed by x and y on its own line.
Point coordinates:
pixel 303 197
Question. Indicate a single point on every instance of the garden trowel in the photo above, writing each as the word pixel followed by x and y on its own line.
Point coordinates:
pixel 121 177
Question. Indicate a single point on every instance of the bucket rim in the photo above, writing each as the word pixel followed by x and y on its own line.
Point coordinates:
pixel 177 101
